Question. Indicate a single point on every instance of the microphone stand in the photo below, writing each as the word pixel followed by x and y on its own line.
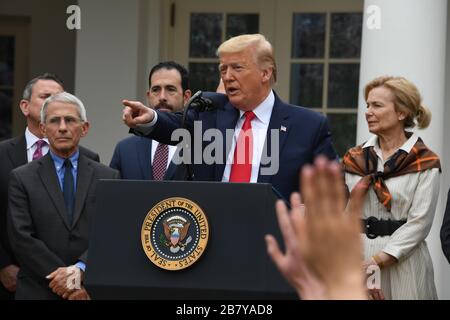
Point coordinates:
pixel 195 97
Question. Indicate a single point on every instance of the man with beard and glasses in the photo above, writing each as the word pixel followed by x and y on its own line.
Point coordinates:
pixel 140 158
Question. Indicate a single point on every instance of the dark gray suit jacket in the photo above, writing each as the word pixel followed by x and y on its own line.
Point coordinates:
pixel 13 154
pixel 41 237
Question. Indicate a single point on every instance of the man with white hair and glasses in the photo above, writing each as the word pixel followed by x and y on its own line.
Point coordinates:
pixel 51 205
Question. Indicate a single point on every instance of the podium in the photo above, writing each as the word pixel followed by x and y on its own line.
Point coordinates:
pixel 234 264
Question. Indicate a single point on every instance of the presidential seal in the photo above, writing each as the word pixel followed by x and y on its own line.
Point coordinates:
pixel 175 233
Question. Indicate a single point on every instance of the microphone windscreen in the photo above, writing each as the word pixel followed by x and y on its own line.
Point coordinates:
pixel 218 100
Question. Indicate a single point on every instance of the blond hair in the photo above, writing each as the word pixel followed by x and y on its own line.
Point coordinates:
pixel 263 51
pixel 407 99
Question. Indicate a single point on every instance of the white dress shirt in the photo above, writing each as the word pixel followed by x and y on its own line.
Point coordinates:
pixel 260 124
pixel 172 150
pixel 31 140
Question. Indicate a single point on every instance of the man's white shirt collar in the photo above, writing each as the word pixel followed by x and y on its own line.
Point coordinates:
pixel 31 139
pixel 264 110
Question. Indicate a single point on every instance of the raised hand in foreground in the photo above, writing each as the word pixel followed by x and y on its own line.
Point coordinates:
pixel 323 247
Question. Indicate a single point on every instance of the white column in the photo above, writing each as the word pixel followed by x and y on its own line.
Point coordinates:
pixel 116 46
pixel 411 42
pixel 106 68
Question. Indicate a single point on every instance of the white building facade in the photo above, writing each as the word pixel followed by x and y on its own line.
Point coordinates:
pixel 326 52
pixel 400 37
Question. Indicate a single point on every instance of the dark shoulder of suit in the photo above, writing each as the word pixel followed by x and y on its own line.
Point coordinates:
pixel 6 145
pixel 105 172
pixel 300 111
pixel 90 154
pixel 5 162
pixel 99 167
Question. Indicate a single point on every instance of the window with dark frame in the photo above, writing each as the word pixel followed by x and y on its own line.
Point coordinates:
pixel 208 31
pixel 325 61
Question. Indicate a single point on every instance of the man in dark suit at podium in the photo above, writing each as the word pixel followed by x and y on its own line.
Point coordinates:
pixel 293 136
pixel 140 158
pixel 16 152
pixel 52 203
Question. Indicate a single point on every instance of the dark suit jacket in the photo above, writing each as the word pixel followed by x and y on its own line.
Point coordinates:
pixel 445 230
pixel 41 237
pixel 13 154
pixel 303 134
pixel 132 158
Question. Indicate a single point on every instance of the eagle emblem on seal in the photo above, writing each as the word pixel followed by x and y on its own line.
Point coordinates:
pixel 175 230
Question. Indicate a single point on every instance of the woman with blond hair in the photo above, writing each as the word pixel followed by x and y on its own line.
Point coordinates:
pixel 403 178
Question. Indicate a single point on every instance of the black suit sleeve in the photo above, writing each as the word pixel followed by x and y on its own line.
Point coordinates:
pixel 166 124
pixel 5 168
pixel 84 256
pixel 5 259
pixel 5 256
pixel 445 230
pixel 29 250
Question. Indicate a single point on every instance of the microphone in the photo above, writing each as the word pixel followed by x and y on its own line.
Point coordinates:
pixel 202 104
pixel 193 98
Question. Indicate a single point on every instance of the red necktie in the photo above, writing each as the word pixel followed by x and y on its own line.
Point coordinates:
pixel 38 152
pixel 241 169
pixel 160 161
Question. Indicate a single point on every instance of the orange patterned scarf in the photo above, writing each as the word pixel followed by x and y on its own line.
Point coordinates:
pixel 364 161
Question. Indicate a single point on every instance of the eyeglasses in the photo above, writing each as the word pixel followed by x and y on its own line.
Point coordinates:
pixel 68 120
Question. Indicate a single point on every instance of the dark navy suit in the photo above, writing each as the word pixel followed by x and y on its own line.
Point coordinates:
pixel 132 158
pixel 303 135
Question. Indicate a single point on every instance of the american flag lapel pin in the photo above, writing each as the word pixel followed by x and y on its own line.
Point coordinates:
pixel 283 129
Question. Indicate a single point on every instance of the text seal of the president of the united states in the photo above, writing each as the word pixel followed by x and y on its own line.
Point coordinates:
pixel 175 233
